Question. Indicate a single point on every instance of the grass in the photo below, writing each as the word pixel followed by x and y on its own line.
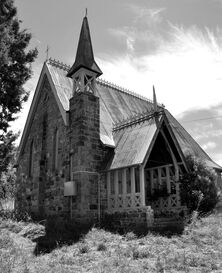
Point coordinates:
pixel 198 249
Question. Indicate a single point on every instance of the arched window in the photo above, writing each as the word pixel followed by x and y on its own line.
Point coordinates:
pixel 55 150
pixel 31 159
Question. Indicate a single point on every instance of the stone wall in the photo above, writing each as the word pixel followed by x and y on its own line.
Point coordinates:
pixel 138 219
pixel 42 192
pixel 88 155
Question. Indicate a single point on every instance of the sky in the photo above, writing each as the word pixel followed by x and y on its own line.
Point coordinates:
pixel 174 45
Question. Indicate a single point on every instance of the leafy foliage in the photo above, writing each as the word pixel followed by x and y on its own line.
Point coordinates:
pixel 15 70
pixel 7 186
pixel 7 170
pixel 7 150
pixel 14 215
pixel 198 186
pixel 15 63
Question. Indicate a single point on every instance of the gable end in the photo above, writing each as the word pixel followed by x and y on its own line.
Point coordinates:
pixel 43 76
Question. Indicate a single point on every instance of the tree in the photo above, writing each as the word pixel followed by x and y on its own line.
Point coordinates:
pixel 15 70
pixel 7 171
pixel 15 63
pixel 7 150
pixel 198 187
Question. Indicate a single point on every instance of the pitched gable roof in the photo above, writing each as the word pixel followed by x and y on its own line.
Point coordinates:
pixel 116 104
pixel 133 142
pixel 60 97
pixel 187 143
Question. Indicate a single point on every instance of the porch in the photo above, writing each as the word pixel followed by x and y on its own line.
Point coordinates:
pixel 144 173
pixel 137 188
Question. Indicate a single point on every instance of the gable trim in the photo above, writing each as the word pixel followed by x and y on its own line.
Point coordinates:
pixel 159 130
pixel 159 124
pixel 175 141
pixel 44 72
pixel 62 110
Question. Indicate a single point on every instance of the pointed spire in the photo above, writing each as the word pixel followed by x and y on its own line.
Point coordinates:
pixel 154 100
pixel 84 55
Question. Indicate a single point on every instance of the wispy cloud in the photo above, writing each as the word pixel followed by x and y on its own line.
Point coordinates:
pixel 185 68
pixel 149 16
pixel 184 63
pixel 205 126
pixel 143 31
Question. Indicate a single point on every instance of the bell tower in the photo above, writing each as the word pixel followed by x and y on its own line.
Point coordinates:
pixel 84 70
pixel 86 153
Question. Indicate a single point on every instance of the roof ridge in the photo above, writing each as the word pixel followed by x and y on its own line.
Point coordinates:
pixel 104 82
pixel 58 64
pixel 124 90
pixel 137 118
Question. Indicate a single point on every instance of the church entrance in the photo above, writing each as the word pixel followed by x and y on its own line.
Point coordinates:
pixel 163 189
pixel 162 171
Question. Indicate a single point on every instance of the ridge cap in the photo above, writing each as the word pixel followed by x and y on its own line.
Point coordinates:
pixel 126 91
pixel 58 64
pixel 135 119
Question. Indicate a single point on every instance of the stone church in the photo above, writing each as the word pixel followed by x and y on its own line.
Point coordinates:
pixel 91 149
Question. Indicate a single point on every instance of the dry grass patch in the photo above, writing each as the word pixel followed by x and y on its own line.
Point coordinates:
pixel 199 249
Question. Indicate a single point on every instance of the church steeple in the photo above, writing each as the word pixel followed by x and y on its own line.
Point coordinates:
pixel 84 70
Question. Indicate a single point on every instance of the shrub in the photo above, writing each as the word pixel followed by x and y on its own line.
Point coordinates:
pixel 15 215
pixel 198 186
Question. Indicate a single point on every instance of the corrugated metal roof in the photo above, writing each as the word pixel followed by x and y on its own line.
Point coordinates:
pixel 187 143
pixel 115 105
pixel 132 144
pixel 62 84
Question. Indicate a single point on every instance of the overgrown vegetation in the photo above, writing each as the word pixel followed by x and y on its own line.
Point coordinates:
pixel 198 187
pixel 7 176
pixel 199 249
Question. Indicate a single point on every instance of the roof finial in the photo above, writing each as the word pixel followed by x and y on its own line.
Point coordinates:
pixel 154 100
pixel 86 13
pixel 47 53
